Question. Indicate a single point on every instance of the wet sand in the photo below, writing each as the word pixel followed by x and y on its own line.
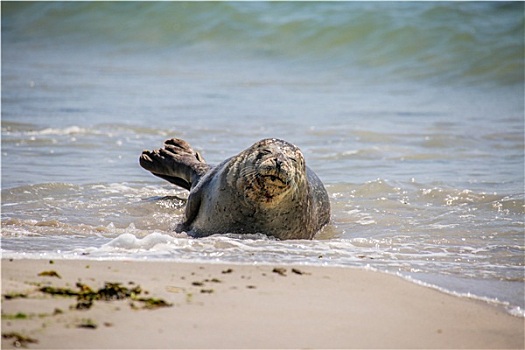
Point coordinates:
pixel 179 305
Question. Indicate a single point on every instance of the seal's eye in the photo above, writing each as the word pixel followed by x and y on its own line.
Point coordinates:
pixel 262 153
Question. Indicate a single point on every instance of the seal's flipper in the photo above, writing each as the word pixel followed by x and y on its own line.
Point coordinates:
pixel 177 163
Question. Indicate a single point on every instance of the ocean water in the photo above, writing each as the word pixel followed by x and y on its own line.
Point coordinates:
pixel 412 114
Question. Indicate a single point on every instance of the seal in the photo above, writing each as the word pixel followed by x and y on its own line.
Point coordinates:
pixel 266 188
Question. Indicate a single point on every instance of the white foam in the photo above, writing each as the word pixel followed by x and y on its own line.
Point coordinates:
pixel 127 241
pixel 71 130
pixel 516 311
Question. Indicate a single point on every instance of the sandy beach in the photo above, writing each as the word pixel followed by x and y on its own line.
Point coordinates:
pixel 177 305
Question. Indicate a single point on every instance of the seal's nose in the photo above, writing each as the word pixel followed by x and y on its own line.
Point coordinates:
pixel 278 163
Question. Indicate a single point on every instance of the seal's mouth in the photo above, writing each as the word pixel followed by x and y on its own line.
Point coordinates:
pixel 267 185
pixel 275 180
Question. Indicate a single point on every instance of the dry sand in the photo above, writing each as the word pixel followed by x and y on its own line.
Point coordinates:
pixel 240 306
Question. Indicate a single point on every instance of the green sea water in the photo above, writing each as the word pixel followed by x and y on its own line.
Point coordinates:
pixel 460 43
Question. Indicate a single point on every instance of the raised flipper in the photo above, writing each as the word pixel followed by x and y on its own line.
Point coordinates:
pixel 177 163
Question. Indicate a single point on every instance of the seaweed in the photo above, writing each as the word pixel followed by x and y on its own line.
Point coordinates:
pixel 111 291
pixel 19 340
pixel 85 296
pixel 24 316
pixel 153 303
pixel 17 316
pixel 10 296
pixel 84 304
pixel 87 323
pixel 115 291
pixel 58 291
pixel 280 271
pixel 50 273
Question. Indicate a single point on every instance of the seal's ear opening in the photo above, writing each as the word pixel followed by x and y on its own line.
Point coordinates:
pixel 199 157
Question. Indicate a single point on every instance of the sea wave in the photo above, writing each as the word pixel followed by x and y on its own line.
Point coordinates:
pixel 438 42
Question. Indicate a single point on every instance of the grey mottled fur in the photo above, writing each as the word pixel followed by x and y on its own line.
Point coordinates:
pixel 241 194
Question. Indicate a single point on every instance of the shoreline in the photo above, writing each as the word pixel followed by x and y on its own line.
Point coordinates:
pixel 212 305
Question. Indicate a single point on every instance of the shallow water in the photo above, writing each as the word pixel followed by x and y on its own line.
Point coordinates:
pixel 411 114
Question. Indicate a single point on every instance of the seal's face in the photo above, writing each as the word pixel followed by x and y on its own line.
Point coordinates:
pixel 269 170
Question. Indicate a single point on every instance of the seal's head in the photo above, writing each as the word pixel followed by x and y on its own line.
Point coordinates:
pixel 268 171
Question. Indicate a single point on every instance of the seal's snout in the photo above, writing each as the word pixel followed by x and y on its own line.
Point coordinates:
pixel 278 167
pixel 276 175
pixel 282 163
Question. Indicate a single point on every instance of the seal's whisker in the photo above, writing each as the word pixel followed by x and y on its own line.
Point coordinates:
pixel 248 171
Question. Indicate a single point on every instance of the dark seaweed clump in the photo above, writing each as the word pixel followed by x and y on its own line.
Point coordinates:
pixel 19 340
pixel 50 273
pixel 111 291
